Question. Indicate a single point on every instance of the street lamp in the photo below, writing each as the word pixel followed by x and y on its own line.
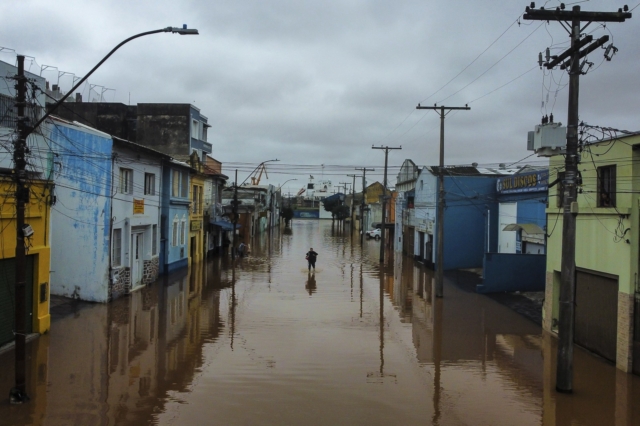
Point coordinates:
pixel 18 394
pixel 286 182
pixel 175 30
pixel 283 185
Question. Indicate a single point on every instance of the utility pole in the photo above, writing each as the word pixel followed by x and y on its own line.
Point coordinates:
pixel 364 195
pixel 18 394
pixel 383 231
pixel 566 323
pixel 353 200
pixel 346 189
pixel 440 213
pixel 235 217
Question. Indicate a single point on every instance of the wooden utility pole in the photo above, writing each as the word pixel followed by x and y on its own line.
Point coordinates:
pixel 364 195
pixel 383 231
pixel 353 200
pixel 564 372
pixel 440 213
pixel 18 394
pixel 235 217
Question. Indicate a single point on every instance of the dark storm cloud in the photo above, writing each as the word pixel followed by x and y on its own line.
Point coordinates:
pixel 319 83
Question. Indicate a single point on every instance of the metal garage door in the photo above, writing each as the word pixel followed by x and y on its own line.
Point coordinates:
pixel 7 298
pixel 596 314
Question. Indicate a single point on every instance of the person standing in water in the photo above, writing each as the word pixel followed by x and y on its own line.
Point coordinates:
pixel 311 258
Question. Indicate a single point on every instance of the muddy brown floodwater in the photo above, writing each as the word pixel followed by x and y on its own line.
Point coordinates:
pixel 268 343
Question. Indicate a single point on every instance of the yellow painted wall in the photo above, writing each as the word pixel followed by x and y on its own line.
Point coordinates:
pixel 37 214
pixel 601 241
pixel 374 192
pixel 197 180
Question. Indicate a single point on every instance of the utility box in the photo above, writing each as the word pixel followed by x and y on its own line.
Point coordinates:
pixel 547 139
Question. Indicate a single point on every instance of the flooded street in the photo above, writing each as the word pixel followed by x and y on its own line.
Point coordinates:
pixel 268 343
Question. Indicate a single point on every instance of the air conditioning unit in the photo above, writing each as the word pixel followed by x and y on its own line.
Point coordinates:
pixel 548 139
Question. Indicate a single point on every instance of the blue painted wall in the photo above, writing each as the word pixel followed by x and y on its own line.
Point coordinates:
pixel 504 272
pixel 80 217
pixel 306 214
pixel 467 200
pixel 173 257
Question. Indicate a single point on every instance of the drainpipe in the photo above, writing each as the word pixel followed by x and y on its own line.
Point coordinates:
pixel 113 162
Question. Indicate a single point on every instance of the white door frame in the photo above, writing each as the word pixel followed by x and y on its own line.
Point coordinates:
pixel 137 258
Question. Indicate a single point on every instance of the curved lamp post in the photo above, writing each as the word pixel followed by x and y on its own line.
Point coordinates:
pixel 18 394
pixel 175 30
pixel 289 180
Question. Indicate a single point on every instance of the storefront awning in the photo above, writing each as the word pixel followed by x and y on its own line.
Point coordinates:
pixel 226 226
pixel 529 228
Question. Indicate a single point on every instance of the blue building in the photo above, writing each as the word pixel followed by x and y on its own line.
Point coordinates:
pixel 515 259
pixel 175 215
pixel 469 204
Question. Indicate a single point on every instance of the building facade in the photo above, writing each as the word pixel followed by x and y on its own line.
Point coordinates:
pixel 607 293
pixel 105 220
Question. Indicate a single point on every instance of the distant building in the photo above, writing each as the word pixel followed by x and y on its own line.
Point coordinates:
pixel 173 129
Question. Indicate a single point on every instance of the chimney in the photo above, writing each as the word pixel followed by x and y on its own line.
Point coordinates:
pixel 47 84
pixel 79 97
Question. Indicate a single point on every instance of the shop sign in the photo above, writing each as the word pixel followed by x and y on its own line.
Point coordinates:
pixel 138 206
pixel 196 225
pixel 526 182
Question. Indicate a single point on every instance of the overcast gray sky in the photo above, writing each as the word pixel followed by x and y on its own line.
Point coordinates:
pixel 317 83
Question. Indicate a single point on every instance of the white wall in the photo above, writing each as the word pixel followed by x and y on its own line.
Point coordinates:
pixel 123 204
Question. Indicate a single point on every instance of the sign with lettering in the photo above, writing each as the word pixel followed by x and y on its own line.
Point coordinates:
pixel 196 225
pixel 525 182
pixel 138 206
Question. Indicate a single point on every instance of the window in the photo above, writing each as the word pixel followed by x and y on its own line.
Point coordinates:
pixel 126 181
pixel 180 184
pixel 116 246
pixel 607 186
pixel 174 232
pixel 175 184
pixel 196 193
pixel 183 231
pixel 154 240
pixel 149 184
pixel 195 129
pixel 184 185
pixel 309 186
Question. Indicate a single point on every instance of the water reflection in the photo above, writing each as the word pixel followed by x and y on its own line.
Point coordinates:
pixel 310 284
pixel 234 340
pixel 114 364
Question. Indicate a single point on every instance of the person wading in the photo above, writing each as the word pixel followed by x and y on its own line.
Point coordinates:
pixel 311 258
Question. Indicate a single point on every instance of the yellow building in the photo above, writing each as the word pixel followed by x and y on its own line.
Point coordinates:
pixel 607 301
pixel 37 214
pixel 196 212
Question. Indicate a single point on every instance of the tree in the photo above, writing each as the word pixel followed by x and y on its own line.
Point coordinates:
pixel 341 212
pixel 287 214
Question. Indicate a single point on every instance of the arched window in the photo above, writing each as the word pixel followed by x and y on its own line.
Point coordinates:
pixel 183 230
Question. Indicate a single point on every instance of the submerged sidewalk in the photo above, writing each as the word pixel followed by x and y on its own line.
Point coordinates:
pixel 528 305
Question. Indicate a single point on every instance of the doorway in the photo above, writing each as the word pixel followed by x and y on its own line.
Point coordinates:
pixel 596 314
pixel 507 214
pixel 137 246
